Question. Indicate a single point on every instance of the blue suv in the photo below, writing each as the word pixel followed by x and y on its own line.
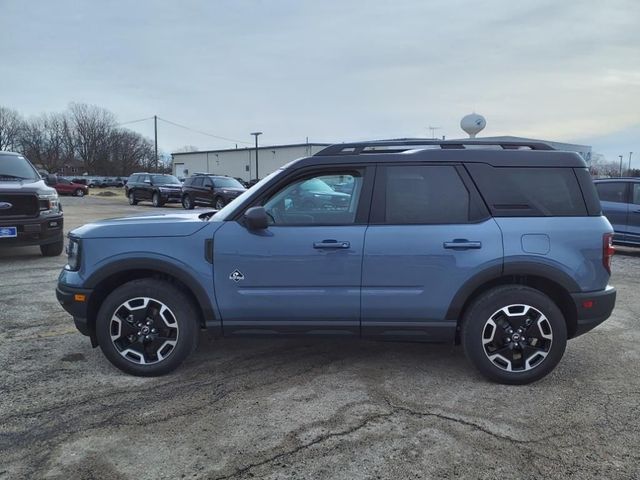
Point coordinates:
pixel 499 247
pixel 620 198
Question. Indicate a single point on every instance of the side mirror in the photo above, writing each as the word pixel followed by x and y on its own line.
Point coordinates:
pixel 209 187
pixel 51 179
pixel 148 182
pixel 256 218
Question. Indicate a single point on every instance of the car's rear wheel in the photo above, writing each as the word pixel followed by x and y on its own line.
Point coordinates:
pixel 219 203
pixel 147 327
pixel 156 200
pixel 187 203
pixel 79 192
pixel 514 334
pixel 132 198
pixel 52 249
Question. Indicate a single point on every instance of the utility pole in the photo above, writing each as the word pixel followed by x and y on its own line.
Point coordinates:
pixel 620 156
pixel 630 153
pixel 155 139
pixel 433 131
pixel 255 134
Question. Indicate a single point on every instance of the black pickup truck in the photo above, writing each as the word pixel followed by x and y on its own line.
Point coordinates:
pixel 30 212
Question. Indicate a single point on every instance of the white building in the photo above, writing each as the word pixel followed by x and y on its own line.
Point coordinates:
pixel 241 162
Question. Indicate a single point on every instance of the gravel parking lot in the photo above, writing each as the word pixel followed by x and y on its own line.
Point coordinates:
pixel 303 408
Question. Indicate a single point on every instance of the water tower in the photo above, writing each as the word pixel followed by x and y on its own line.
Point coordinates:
pixel 473 124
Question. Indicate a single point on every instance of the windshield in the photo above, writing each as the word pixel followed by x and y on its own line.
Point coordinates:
pixel 16 167
pixel 227 182
pixel 233 204
pixel 165 180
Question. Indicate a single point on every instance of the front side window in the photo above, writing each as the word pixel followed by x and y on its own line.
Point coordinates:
pixel 612 192
pixel 424 195
pixel 313 201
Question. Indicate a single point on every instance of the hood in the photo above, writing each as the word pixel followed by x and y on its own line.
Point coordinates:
pixel 25 186
pixel 167 225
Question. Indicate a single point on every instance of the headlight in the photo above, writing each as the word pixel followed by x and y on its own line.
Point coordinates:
pixel 49 202
pixel 73 254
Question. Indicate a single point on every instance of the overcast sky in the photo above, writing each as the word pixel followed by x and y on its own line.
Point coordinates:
pixel 332 70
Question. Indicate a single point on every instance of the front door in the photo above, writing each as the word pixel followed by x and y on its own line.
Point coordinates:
pixel 429 234
pixel 302 274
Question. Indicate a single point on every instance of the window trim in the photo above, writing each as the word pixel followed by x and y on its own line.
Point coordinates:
pixel 478 211
pixel 368 172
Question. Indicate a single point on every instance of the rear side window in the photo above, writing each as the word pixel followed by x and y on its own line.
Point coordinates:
pixel 636 193
pixel 424 195
pixel 612 192
pixel 133 179
pixel 529 191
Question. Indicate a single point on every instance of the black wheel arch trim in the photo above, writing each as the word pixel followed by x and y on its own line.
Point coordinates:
pixel 210 319
pixel 509 268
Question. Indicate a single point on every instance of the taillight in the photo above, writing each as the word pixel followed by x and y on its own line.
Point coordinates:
pixel 607 250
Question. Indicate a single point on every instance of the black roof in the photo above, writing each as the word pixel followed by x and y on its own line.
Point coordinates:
pixel 502 153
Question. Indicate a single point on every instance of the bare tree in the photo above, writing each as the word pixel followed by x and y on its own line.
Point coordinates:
pixel 48 141
pixel 187 149
pixel 130 151
pixel 92 128
pixel 10 128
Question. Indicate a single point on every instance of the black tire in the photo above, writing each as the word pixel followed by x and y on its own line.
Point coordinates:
pixel 79 192
pixel 187 203
pixel 132 198
pixel 52 249
pixel 528 338
pixel 155 199
pixel 218 203
pixel 184 318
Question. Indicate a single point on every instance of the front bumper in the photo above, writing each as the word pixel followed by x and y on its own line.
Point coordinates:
pixel 171 196
pixel 76 302
pixel 41 230
pixel 593 308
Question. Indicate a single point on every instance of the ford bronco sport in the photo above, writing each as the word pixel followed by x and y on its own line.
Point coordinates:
pixel 30 212
pixel 499 247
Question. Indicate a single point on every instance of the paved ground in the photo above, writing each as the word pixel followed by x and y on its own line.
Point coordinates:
pixel 303 409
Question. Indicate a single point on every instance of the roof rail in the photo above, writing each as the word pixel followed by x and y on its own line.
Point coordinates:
pixel 416 144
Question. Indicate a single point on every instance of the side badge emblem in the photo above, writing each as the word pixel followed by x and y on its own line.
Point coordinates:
pixel 236 276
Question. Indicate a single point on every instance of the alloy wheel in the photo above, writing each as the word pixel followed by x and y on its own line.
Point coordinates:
pixel 143 330
pixel 517 338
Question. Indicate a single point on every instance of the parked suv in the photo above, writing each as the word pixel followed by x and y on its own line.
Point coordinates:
pixel 620 198
pixel 30 213
pixel 154 187
pixel 501 248
pixel 210 191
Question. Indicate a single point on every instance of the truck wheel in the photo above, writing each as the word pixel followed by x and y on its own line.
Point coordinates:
pixel 132 198
pixel 157 202
pixel 147 327
pixel 514 334
pixel 187 203
pixel 79 192
pixel 52 249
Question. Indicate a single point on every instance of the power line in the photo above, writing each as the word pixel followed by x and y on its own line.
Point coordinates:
pixel 203 133
pixel 135 121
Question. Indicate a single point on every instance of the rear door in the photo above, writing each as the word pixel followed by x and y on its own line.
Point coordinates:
pixel 429 233
pixel 633 222
pixel 614 198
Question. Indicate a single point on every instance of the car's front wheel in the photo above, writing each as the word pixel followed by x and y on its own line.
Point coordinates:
pixel 147 327
pixel 514 334
pixel 219 203
pixel 156 200
pixel 187 203
pixel 52 249
pixel 132 198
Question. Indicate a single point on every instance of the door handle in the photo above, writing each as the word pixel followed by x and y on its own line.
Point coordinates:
pixel 331 244
pixel 461 244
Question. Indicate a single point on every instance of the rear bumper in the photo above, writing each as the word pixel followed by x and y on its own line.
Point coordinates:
pixel 593 308
pixel 34 231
